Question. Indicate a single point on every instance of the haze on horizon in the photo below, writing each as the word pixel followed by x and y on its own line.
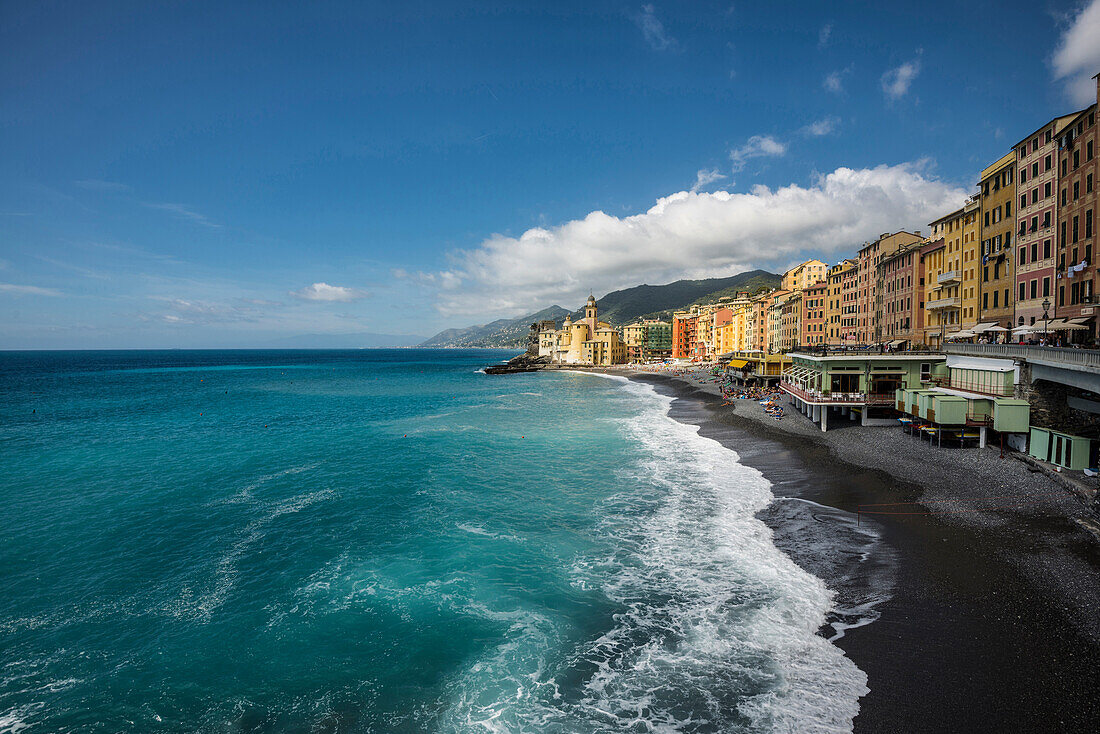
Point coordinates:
pixel 224 174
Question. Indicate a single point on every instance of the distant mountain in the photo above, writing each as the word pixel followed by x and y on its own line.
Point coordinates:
pixel 617 308
pixel 623 307
pixel 502 333
pixel 344 341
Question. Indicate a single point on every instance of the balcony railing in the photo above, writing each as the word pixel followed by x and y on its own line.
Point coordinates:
pixel 952 302
pixel 814 396
pixel 1080 359
pixel 951 276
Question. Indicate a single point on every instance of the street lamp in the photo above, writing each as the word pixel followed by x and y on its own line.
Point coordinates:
pixel 1046 318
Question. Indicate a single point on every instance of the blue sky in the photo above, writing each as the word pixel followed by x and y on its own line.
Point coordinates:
pixel 196 174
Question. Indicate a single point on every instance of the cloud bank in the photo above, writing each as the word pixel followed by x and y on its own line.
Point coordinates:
pixel 692 235
pixel 1078 56
pixel 28 290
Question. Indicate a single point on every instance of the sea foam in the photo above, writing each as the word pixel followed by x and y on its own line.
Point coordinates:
pixel 716 628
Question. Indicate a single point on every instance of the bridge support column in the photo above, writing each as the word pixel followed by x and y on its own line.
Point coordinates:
pixel 824 418
pixel 864 417
pixel 817 414
pixel 981 437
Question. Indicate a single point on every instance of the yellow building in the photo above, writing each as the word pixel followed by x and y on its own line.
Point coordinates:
pixel 803 275
pixel 971 265
pixel 836 306
pixel 941 282
pixel 774 341
pixel 587 341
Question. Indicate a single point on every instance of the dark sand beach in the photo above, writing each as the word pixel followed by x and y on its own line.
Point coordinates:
pixel 987 590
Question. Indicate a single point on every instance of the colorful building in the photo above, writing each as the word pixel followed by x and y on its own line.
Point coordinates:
pixel 803 275
pixel 1037 185
pixel 648 340
pixel 941 307
pixel 587 341
pixel 791 316
pixel 901 288
pixel 813 320
pixel 997 227
pixel 1077 212
pixel 684 326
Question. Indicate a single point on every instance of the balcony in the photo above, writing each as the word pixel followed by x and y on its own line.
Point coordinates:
pixel 939 303
pixel 951 276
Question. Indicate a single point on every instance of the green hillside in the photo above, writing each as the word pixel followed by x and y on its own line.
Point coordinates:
pixel 617 308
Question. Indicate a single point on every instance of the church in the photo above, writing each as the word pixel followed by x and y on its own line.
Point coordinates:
pixel 585 341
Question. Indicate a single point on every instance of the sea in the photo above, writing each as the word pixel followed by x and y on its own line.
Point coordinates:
pixel 388 541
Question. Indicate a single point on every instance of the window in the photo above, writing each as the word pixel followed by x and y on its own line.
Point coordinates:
pixel 1046 219
pixel 1035 169
pixel 1088 224
pixel 1034 195
pixel 1088 184
pixel 1088 151
pixel 995 293
pixel 1061 295
pixel 1062 236
pixel 987 219
pixel 1008 208
pixel 1047 139
pixel 1063 166
pixel 1046 249
pixel 1075 231
pixel 1023 200
pixel 1023 288
pixel 1076 190
pixel 1034 288
pixel 1023 255
pixel 1063 197
pixel 1023 175
pixel 1034 251
pixel 1047 164
pixel 1076 159
pixel 1046 190
pixel 1046 287
pixel 985 274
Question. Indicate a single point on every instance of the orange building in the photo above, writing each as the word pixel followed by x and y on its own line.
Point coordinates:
pixel 813 314
pixel 684 326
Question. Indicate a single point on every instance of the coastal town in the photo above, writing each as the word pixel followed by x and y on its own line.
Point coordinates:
pixel 981 329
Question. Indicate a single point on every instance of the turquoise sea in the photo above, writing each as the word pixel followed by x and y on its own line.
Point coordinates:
pixel 387 541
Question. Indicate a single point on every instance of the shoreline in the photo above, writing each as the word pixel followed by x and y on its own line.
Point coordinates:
pixel 991 611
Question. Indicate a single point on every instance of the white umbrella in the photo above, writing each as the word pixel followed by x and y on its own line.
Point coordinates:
pixel 960 335
pixel 996 328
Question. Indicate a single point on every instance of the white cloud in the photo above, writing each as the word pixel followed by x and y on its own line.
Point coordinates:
pixel 692 235
pixel 823 126
pixel 895 82
pixel 654 30
pixel 824 34
pixel 758 146
pixel 833 82
pixel 329 293
pixel 705 177
pixel 1078 56
pixel 27 290
pixel 181 211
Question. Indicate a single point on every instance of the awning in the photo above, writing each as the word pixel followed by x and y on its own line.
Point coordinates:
pixel 982 327
pixel 996 328
pixel 960 335
pixel 738 363
pixel 1068 327
pixel 896 342
pixel 980 363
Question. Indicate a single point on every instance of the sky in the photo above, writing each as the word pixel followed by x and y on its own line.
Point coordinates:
pixel 218 174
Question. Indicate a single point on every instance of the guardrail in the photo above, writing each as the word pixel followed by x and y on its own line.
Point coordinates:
pixel 1070 358
pixel 811 396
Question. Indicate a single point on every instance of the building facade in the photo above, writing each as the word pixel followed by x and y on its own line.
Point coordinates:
pixel 901 280
pixel 1036 216
pixel 1077 212
pixel 803 275
pixel 813 323
pixel 997 228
